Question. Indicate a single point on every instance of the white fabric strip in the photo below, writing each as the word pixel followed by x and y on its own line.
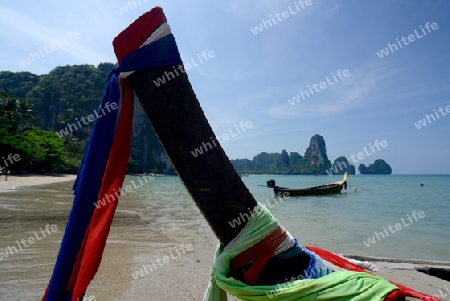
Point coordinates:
pixel 256 211
pixel 288 243
pixel 160 32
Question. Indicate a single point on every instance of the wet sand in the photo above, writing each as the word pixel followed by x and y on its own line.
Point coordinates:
pixel 132 243
pixel 15 181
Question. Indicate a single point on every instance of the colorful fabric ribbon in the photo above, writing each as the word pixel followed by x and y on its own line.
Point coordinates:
pixel 103 167
pixel 355 284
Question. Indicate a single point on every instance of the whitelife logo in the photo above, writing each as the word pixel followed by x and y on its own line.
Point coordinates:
pixel 280 17
pixel 169 75
pixel 411 38
pixel 11 158
pixel 148 268
pixel 430 118
pixel 380 235
pixel 360 155
pixel 25 243
pixel 129 7
pixel 199 150
pixel 86 120
pixel 71 36
pixel 319 87
pixel 122 191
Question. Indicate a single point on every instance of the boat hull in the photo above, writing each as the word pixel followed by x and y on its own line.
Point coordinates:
pixel 317 190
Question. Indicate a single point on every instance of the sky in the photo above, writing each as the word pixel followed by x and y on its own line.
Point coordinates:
pixel 291 68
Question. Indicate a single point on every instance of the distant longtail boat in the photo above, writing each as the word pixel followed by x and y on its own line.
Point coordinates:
pixel 331 188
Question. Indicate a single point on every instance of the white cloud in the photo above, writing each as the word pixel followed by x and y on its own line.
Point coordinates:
pixel 347 94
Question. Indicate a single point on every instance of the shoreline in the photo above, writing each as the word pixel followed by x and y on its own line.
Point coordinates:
pixel 136 241
pixel 19 181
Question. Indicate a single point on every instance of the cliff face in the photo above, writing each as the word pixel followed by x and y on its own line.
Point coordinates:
pixel 315 161
pixel 341 165
pixel 284 160
pixel 68 93
pixel 147 154
pixel 242 164
pixel 265 161
pixel 316 151
pixel 379 167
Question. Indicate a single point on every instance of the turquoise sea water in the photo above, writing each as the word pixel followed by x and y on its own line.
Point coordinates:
pixel 342 222
pixel 339 223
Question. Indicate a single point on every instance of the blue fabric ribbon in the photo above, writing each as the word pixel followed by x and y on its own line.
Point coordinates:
pixel 316 268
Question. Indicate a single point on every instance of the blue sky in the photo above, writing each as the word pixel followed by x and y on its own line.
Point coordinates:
pixel 252 77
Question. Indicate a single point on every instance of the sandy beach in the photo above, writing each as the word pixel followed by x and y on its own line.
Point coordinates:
pixel 15 181
pixel 143 232
pixel 130 246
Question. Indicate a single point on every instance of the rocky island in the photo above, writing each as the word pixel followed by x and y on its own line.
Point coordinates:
pixel 379 167
pixel 314 162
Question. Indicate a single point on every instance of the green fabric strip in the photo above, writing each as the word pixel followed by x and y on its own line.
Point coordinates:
pixel 337 286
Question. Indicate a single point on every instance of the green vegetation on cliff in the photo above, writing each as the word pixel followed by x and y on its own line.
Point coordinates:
pixel 315 161
pixel 59 99
pixel 379 167
pixel 34 148
pixel 341 166
pixel 39 113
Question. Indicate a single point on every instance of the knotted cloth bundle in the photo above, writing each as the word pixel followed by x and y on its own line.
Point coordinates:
pixel 335 286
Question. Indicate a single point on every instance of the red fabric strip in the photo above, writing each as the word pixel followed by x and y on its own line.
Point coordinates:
pixel 343 263
pixel 94 242
pixel 395 295
pixel 132 37
pixel 258 255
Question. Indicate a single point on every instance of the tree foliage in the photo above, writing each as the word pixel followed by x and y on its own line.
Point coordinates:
pixel 37 149
pixel 66 94
pixel 341 166
pixel 17 83
pixel 51 102
pixel 378 167
pixel 315 161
